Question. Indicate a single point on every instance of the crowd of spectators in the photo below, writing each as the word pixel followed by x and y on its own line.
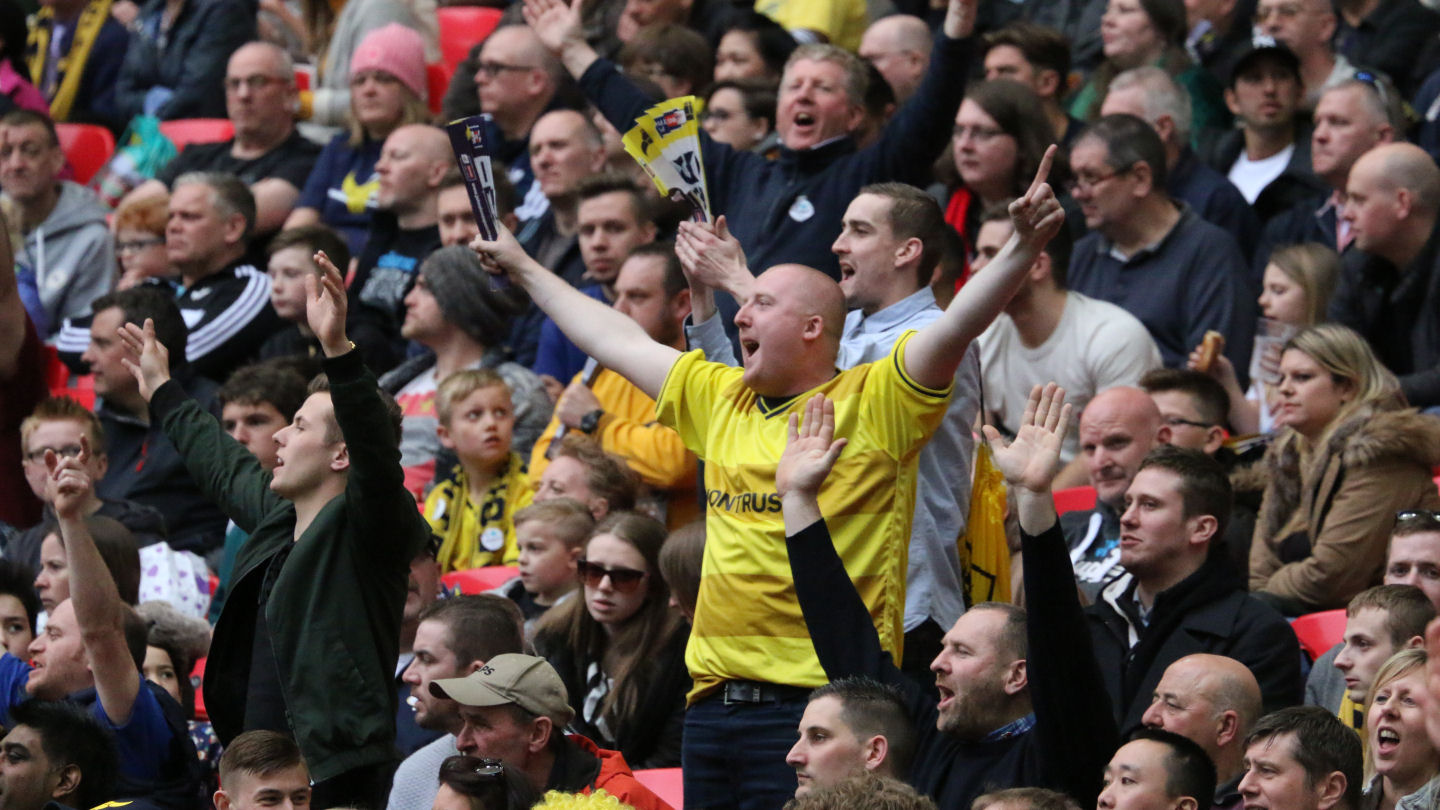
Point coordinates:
pixel 783 497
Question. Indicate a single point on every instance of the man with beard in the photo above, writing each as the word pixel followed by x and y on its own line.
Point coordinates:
pixel 455 637
pixel 1019 703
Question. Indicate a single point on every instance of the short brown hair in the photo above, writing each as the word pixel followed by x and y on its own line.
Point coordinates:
pixel 479 626
pixel 914 214
pixel 681 559
pixel 567 518
pixel 1204 487
pixel 1033 798
pixel 259 753
pixel 1043 47
pixel 312 238
pixel 1407 609
pixel 63 409
pixel 606 474
pixel 681 52
pixel 118 550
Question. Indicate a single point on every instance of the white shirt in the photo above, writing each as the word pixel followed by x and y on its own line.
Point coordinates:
pixel 1252 176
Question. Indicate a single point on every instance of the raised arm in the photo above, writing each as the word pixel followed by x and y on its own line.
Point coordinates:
pixel 1074 723
pixel 557 24
pixel 932 356
pixel 98 609
pixel 713 260
pixel 615 340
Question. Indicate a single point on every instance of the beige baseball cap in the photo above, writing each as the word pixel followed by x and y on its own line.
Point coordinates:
pixel 524 680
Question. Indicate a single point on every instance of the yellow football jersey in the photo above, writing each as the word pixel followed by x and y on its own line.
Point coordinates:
pixel 748 624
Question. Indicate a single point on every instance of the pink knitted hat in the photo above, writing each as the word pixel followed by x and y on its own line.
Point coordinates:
pixel 396 50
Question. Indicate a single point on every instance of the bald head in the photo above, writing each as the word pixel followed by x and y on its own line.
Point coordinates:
pixel 1392 196
pixel 1117 429
pixel 899 47
pixel 411 167
pixel 1211 699
pixel 816 294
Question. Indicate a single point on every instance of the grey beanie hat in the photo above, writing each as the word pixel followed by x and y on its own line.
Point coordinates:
pixel 466 294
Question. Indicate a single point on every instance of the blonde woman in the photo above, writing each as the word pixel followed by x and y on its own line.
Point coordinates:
pixel 1400 758
pixel 1348 456
pixel 1295 291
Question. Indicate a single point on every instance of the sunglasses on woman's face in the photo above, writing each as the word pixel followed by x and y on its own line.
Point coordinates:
pixel 624 580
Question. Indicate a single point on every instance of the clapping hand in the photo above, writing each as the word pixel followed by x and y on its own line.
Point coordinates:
pixel 712 257
pixel 1032 460
pixel 555 22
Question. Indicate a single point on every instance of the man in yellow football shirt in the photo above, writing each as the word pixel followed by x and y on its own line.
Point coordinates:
pixel 750 655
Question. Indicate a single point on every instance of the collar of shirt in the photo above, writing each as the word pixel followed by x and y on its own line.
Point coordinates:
pixel 1107 248
pixel 1014 728
pixel 863 335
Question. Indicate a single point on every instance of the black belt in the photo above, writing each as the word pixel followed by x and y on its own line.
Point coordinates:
pixel 758 692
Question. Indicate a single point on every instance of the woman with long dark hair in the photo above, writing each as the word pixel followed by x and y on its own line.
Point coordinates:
pixel 621 649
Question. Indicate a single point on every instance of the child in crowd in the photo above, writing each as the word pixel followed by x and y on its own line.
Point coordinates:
pixel 551 535
pixel 472 507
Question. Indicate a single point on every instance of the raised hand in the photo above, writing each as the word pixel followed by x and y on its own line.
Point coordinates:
pixel 960 18
pixel 555 22
pixel 67 486
pixel 1037 216
pixel 712 257
pixel 151 360
pixel 503 256
pixel 326 305
pixel 1032 460
pixel 810 450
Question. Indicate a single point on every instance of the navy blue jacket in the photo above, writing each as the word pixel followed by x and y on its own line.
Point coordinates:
pixel 1193 280
pixel 1211 195
pixel 761 199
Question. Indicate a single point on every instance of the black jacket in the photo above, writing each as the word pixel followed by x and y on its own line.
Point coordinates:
pixel 1294 185
pixel 1204 613
pixel 189 59
pixel 1074 734
pixel 334 612
pixel 1398 311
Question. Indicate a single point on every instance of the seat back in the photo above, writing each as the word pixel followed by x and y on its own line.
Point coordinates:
pixel 185 131
pixel 1075 499
pixel 667 783
pixel 87 147
pixel 480 580
pixel 1318 632
pixel 437 78
pixel 460 28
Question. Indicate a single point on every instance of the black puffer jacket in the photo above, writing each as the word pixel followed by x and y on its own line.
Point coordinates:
pixel 189 59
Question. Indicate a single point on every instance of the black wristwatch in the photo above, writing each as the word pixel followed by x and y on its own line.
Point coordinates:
pixel 590 422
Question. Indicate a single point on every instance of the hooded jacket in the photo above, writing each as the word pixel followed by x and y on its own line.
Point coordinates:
pixel 1325 522
pixel 72 254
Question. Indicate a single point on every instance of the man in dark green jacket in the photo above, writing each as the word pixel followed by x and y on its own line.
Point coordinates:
pixel 332 532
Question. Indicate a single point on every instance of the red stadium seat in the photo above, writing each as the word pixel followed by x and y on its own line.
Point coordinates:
pixel 1075 499
pixel 87 147
pixel 185 131
pixel 665 783
pixel 460 28
pixel 1318 632
pixel 437 78
pixel 198 676
pixel 479 580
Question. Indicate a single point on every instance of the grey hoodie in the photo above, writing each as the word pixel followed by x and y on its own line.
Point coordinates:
pixel 72 254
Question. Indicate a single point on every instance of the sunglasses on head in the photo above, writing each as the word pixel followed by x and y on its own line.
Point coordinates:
pixel 624 580
pixel 1421 517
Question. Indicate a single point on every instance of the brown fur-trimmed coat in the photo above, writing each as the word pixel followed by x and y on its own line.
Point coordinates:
pixel 1322 531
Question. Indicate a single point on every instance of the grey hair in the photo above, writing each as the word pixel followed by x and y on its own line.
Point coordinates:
pixel 1162 94
pixel 229 195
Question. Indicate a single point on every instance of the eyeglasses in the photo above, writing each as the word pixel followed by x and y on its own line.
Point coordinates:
pixel 137 245
pixel 1175 421
pixel 980 134
pixel 37 456
pixel 624 580
pixel 493 69
pixel 1087 182
pixel 255 83
pixel 718 116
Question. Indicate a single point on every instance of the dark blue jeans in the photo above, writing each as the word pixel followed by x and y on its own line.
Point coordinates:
pixel 734 756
